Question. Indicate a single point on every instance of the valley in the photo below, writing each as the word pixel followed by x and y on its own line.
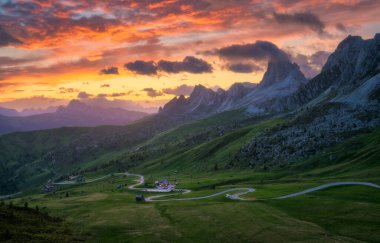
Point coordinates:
pixel 288 159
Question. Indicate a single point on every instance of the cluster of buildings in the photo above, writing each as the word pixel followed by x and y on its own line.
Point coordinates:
pixel 165 185
pixel 49 187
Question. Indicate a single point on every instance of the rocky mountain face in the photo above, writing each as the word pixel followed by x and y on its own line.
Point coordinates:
pixel 282 78
pixel 280 70
pixel 349 75
pixel 204 101
pixel 342 101
pixel 75 114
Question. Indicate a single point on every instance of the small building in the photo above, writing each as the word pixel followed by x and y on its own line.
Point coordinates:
pixel 49 187
pixel 165 185
pixel 140 197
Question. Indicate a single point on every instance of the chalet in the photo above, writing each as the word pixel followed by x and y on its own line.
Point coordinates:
pixel 140 197
pixel 49 187
pixel 165 185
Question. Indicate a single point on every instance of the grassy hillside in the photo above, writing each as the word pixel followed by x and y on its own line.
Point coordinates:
pixel 200 156
pixel 208 155
pixel 103 212
pixel 43 155
pixel 204 146
pixel 358 157
pixel 21 224
pixel 51 154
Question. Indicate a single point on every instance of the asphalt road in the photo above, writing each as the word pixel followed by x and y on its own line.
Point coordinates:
pixel 326 186
pixel 236 196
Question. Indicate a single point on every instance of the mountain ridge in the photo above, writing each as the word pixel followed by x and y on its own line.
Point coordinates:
pixel 285 88
pixel 76 113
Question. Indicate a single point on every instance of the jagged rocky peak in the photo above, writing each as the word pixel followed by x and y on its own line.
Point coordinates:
pixel 181 99
pixel 201 91
pixel 345 52
pixel 354 58
pixel 176 104
pixel 279 70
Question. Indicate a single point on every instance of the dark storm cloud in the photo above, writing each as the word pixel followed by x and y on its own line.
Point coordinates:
pixel 7 39
pixel 109 70
pixel 180 90
pixel 38 20
pixel 189 64
pixel 306 19
pixel 258 51
pixel 152 92
pixel 243 68
pixel 142 67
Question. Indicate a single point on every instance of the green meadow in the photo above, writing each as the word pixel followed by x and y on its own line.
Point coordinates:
pixel 106 210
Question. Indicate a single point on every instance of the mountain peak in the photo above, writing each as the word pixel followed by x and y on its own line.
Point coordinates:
pixel 279 70
pixel 354 56
pixel 199 90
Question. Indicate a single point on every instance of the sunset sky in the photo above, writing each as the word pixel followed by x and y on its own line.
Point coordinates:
pixel 148 51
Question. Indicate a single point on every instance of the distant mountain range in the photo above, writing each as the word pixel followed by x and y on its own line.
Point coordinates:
pixel 350 76
pixel 26 112
pixel 76 114
pixel 281 79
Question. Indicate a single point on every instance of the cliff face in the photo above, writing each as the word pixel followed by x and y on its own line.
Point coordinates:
pixel 354 63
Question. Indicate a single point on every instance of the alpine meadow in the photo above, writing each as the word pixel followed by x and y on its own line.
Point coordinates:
pixel 189 121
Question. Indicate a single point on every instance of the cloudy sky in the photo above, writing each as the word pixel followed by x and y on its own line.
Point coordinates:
pixel 147 51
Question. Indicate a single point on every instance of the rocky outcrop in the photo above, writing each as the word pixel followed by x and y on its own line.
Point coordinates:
pixel 354 62
pixel 281 79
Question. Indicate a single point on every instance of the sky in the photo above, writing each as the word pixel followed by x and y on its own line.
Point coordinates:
pixel 141 53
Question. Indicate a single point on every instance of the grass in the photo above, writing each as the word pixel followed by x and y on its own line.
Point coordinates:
pixel 350 211
pixel 101 213
pixel 203 157
pixel 21 224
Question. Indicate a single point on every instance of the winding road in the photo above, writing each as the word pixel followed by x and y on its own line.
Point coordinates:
pixel 236 196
